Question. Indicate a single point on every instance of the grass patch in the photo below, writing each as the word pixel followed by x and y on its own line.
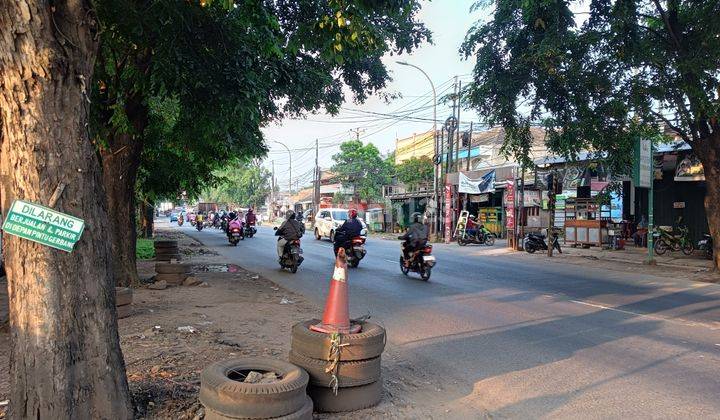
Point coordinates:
pixel 145 249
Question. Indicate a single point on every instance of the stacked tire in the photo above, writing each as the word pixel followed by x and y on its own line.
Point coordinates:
pixel 173 273
pixel 166 250
pixel 225 396
pixel 357 371
pixel 123 301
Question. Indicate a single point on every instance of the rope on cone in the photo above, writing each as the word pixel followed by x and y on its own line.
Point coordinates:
pixel 336 346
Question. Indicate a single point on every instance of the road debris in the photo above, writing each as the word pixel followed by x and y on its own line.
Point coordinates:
pixel 158 285
pixel 187 329
pixel 286 301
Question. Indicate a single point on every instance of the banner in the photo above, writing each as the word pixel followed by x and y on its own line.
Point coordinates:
pixel 510 204
pixel 482 185
pixel 690 169
pixel 642 168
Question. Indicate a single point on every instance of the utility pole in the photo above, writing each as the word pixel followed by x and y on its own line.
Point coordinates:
pixel 357 132
pixel 457 132
pixel 552 187
pixel 469 145
pixel 316 191
pixel 271 207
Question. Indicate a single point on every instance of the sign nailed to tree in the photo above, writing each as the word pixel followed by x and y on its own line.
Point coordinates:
pixel 43 225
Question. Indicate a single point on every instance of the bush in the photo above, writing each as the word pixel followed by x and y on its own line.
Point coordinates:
pixel 145 249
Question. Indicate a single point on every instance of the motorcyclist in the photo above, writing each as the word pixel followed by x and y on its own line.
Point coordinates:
pixel 350 229
pixel 471 227
pixel 290 230
pixel 415 237
pixel 250 217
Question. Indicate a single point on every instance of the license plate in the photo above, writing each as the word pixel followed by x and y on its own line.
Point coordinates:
pixel 703 242
pixel 359 248
pixel 236 235
pixel 428 258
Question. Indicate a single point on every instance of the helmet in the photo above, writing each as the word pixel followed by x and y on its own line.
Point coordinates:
pixel 416 217
pixel 290 215
pixel 353 213
pixel 472 217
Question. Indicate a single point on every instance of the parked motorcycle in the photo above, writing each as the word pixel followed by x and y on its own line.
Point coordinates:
pixel 420 261
pixel 292 255
pixel 250 230
pixel 665 241
pixel 479 238
pixel 235 232
pixel 706 244
pixel 536 241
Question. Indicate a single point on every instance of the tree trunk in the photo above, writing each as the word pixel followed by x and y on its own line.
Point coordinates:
pixel 147 216
pixel 120 162
pixel 65 360
pixel 709 153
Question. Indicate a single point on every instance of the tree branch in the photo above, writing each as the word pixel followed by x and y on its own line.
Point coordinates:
pixel 670 29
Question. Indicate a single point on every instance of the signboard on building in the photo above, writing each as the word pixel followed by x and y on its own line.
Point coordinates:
pixel 509 200
pixel 690 169
pixel 481 185
pixel 642 165
pixel 43 225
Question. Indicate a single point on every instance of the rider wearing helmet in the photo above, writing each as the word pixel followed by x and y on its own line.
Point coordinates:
pixel 415 237
pixel 290 230
pixel 350 229
pixel 471 227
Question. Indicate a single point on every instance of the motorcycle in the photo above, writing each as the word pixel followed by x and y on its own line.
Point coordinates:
pixel 420 261
pixel 355 251
pixel 292 255
pixel 199 224
pixel 479 238
pixel 706 244
pixel 235 232
pixel 536 241
pixel 180 221
pixel 665 241
pixel 250 230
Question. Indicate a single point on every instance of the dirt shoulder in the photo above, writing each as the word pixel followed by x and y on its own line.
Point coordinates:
pixel 173 334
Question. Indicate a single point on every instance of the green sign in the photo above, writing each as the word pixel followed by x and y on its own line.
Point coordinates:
pixel 43 225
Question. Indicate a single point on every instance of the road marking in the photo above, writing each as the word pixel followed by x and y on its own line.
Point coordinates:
pixel 678 321
pixel 390 261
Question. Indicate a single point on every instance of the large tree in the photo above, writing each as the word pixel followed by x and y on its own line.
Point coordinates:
pixel 65 357
pixel 600 74
pixel 415 171
pixel 228 72
pixel 241 183
pixel 361 168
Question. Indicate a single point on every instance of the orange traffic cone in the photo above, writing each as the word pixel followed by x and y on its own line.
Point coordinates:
pixel 336 318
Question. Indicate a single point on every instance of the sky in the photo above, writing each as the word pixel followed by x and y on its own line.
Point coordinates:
pixel 449 21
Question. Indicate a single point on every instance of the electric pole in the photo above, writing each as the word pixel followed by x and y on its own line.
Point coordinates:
pixel 271 207
pixel 316 190
pixel 357 132
pixel 457 133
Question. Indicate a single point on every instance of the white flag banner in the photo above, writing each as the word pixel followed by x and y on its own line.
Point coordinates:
pixel 478 185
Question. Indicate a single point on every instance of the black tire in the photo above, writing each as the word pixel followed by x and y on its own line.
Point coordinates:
pixel 367 344
pixel 403 269
pixel 530 249
pixel 332 236
pixel 168 268
pixel 660 247
pixel 425 273
pixel 294 268
pixel 123 296
pixel 356 373
pixel 347 399
pixel 317 235
pixel 124 311
pixel 688 248
pixel 232 398
pixel 304 413
pixel 490 240
pixel 354 263
pixel 460 241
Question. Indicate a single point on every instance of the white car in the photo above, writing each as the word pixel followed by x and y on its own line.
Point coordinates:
pixel 327 220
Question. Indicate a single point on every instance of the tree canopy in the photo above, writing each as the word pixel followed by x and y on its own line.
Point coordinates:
pixel 597 75
pixel 415 171
pixel 244 184
pixel 361 168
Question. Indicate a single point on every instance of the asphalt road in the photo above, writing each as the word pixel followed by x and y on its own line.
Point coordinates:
pixel 512 336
